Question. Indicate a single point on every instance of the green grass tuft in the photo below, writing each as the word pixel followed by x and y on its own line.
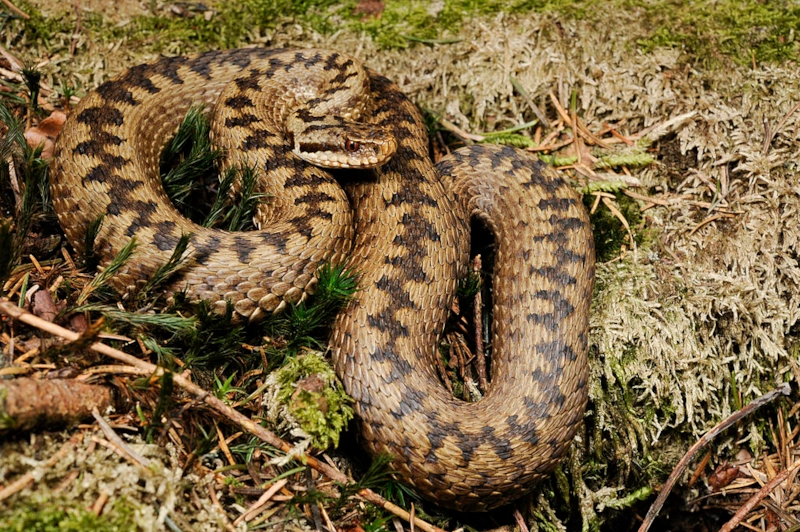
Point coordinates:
pixel 163 274
pixel 188 161
pixel 306 324
pixel 32 175
pixel 108 272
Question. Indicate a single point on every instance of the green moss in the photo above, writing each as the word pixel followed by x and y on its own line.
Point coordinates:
pixel 323 410
pixel 707 31
pixel 41 29
pixel 66 516
pixel 609 233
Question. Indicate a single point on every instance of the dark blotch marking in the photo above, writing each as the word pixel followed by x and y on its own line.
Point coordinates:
pixel 536 409
pixel 314 198
pixel 276 239
pixel 243 249
pixel 117 91
pixel 554 353
pixel 143 209
pixel 97 144
pixel 527 431
pixel 439 432
pixel 556 204
pixel 315 147
pixel 501 446
pixel 331 62
pixel 343 76
pixel 301 179
pixel 138 76
pixel 380 322
pixel 169 68
pixel 411 402
pixel 201 66
pixel 241 120
pixel 257 139
pixel 411 197
pixel 165 238
pixel 204 250
pixel 554 273
pixel 98 174
pixel 394 287
pixel 251 82
pixel 567 224
pixel 239 101
pixel 561 309
pixel 101 116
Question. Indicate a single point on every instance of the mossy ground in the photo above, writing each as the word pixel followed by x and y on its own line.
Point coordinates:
pixel 696 319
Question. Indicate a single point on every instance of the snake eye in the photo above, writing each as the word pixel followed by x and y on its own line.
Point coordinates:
pixel 351 145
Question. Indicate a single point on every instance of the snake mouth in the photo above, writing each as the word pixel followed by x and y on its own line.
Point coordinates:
pixel 327 156
pixel 344 145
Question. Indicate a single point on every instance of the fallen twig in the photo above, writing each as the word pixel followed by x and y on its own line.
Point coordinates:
pixel 709 220
pixel 751 503
pixel 480 357
pixel 114 438
pixel 755 404
pixel 16 10
pixel 28 402
pixel 244 422
pixel 770 134
pixel 451 127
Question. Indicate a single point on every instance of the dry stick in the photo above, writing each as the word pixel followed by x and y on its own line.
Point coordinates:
pixel 535 108
pixel 76 33
pixel 114 438
pixel 451 127
pixel 755 404
pixel 16 10
pixel 709 220
pixel 770 134
pixel 758 497
pixel 480 360
pixel 244 422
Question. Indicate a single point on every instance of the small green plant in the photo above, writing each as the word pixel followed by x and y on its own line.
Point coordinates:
pixel 187 161
pixel 166 270
pixel 223 388
pixel 241 216
pixel 31 174
pixel 32 78
pixel 162 406
pixel 108 272
pixel 55 515
pixel 90 257
pixel 306 324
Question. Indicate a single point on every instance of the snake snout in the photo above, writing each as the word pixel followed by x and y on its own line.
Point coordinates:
pixel 351 145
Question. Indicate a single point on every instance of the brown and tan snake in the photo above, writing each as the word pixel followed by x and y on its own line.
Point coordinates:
pixel 403 225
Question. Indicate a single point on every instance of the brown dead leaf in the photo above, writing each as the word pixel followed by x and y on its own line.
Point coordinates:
pixel 46 133
pixel 43 305
pixel 723 475
pixel 369 9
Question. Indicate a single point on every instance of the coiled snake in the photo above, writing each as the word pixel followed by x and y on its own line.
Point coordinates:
pixel 403 225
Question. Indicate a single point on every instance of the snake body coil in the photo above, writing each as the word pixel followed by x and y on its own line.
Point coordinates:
pixel 406 232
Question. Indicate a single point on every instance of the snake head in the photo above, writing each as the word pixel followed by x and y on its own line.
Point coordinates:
pixel 344 145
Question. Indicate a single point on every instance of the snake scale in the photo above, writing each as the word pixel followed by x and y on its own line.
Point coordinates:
pixel 403 224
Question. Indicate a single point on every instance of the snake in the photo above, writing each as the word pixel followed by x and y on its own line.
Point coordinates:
pixel 344 158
